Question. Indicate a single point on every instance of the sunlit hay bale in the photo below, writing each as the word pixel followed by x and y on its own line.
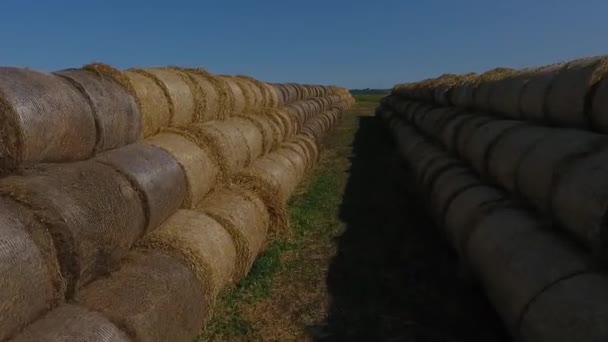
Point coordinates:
pixel 92 212
pixel 45 119
pixel 116 114
pixel 155 173
pixel 239 102
pixel 202 244
pixel 153 297
pixel 30 278
pixel 200 168
pixel 245 217
pixel 71 322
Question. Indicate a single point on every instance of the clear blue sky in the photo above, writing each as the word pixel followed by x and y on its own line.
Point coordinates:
pixel 349 43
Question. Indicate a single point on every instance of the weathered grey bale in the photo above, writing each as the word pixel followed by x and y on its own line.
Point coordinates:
pixel 538 168
pixel 573 309
pixel 504 156
pixel 157 176
pixel 117 117
pixel 532 99
pixel 465 132
pixel 450 129
pixel 30 280
pixel 580 199
pixel 93 213
pixel 598 114
pixel 516 257
pixel 482 140
pixel 567 96
pixel 466 209
pixel 72 323
pixel 153 297
pixel 45 119
pixel 448 184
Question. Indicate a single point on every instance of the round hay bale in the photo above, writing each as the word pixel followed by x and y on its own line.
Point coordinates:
pixel 466 130
pixel 505 96
pixel 448 184
pixel 275 97
pixel 482 140
pixel 466 209
pixel 253 136
pixel 462 94
pixel 153 297
pixel 71 322
pixel 117 119
pixel 516 257
pixel 566 99
pixel 573 309
pixel 248 93
pixel 283 120
pixel 157 176
pixel 504 156
pixel 579 199
pixel 301 148
pixel 244 216
pixel 292 93
pixel 92 212
pixel 237 96
pixel 449 131
pixel 201 243
pixel 200 168
pixel 314 151
pixel 226 145
pixel 45 119
pixel 433 121
pixel 213 96
pixel 298 159
pixel 599 106
pixel 485 85
pixel 282 92
pixel 537 169
pixel 179 93
pixel 154 105
pixel 270 136
pixel 534 92
pixel 258 96
pixel 435 167
pixel 30 280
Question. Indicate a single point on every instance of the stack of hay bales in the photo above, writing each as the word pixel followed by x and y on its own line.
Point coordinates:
pixel 516 177
pixel 132 198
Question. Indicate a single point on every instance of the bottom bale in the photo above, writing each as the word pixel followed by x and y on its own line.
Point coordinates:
pixel 573 309
pixel 516 256
pixel 72 323
pixel 30 280
pixel 201 243
pixel 153 297
pixel 245 217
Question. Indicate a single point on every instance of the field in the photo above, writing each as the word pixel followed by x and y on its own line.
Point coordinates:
pixel 364 261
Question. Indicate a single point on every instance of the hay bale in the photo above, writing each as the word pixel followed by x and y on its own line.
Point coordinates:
pixel 253 136
pixel 92 212
pixel 30 280
pixel 448 184
pixel 201 243
pixel 225 144
pixel 117 119
pixel 483 139
pixel 435 167
pixel 539 167
pixel 485 85
pixel 573 309
pixel 282 92
pixel 449 131
pixel 269 131
pixel 466 209
pixel 516 257
pixel 45 119
pixel 275 97
pixel 504 156
pixel 505 95
pixel 580 197
pixel 298 159
pixel 599 106
pixel 245 217
pixel 199 166
pixel 153 297
pixel 434 120
pixel 157 176
pixel 465 132
pixel 212 94
pixel 154 105
pixel 284 121
pixel 532 99
pixel 178 91
pixel 237 97
pixel 71 322
pixel 567 97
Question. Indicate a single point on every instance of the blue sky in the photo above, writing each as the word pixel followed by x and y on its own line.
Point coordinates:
pixel 350 43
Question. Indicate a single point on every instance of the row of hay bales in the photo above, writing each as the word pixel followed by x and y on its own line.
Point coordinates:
pixel 523 201
pixel 569 94
pixel 73 114
pixel 136 242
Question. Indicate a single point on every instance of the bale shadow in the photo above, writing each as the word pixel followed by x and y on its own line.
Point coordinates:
pixel 393 278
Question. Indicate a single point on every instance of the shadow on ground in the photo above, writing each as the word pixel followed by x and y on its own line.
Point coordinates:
pixel 393 278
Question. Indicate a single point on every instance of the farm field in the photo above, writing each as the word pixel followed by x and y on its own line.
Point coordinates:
pixel 364 262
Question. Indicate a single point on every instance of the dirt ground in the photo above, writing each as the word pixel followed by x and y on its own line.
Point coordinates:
pixel 364 261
